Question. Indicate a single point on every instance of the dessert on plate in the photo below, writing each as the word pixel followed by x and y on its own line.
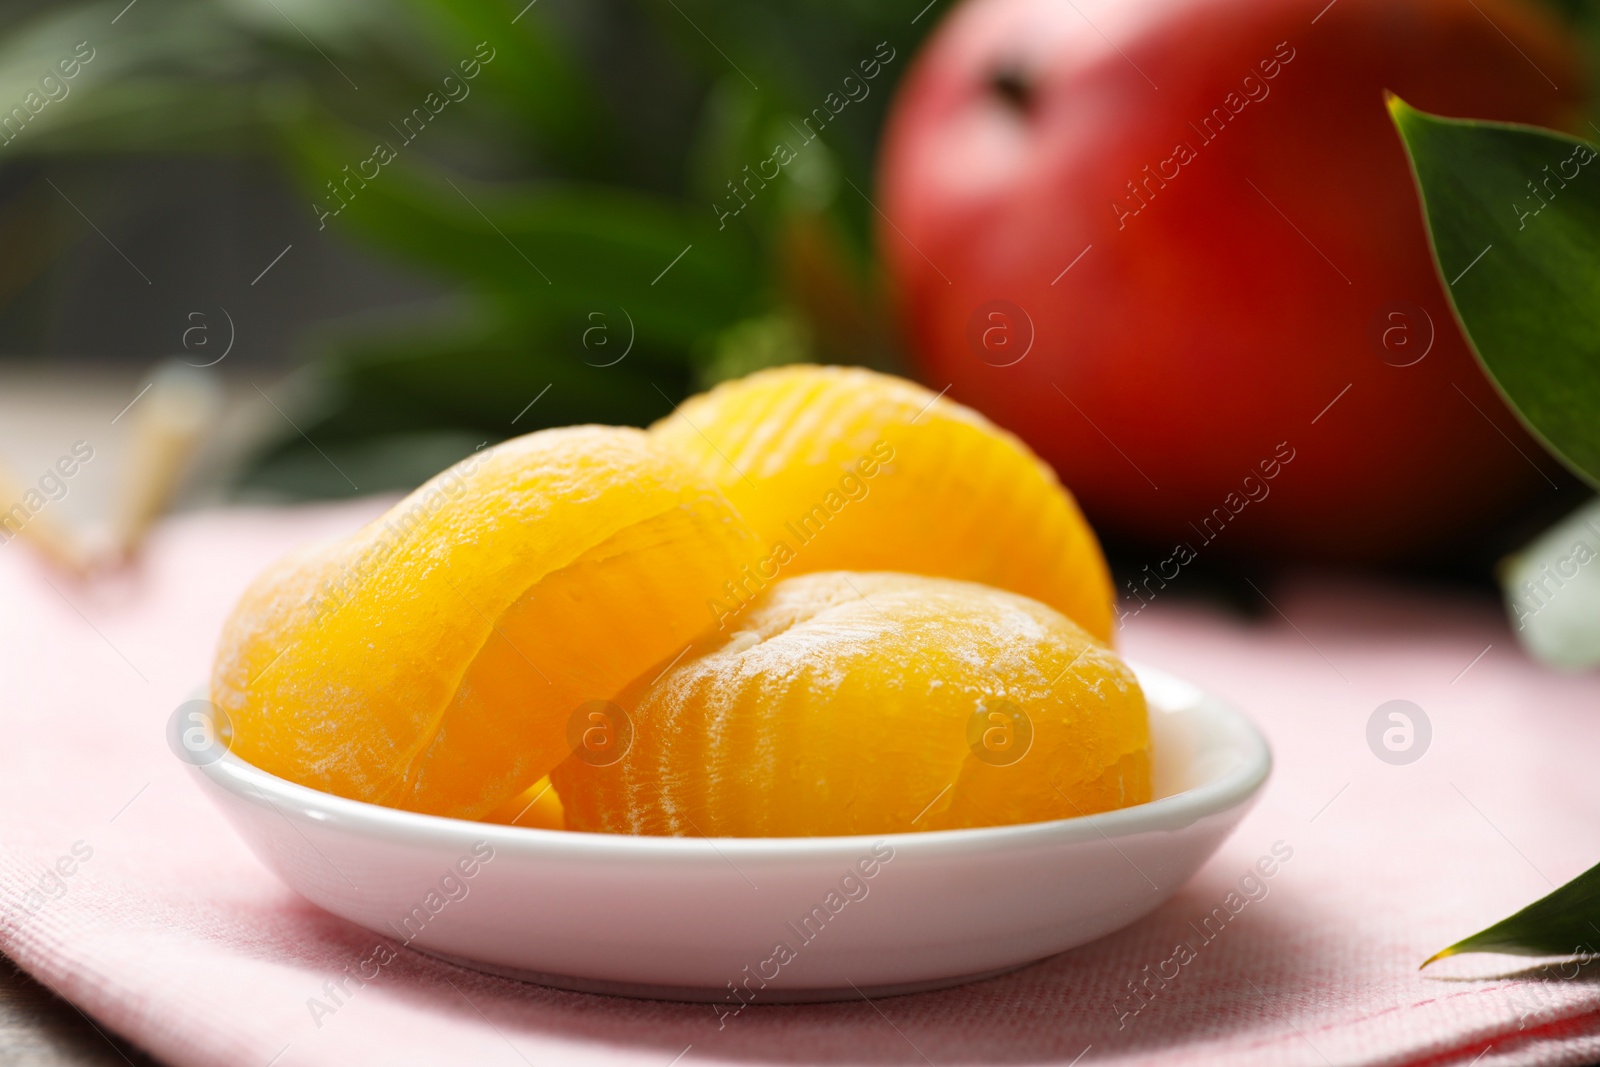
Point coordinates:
pixel 813 601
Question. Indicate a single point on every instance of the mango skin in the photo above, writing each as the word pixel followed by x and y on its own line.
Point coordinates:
pixel 1202 332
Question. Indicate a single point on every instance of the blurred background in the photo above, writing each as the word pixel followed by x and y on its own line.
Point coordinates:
pixel 385 232
pixel 548 164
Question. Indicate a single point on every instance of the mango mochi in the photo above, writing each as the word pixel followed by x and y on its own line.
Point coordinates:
pixel 856 703
pixel 431 661
pixel 843 468
pixel 435 660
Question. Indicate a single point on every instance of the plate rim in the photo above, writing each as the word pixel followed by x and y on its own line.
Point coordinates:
pixel 1236 786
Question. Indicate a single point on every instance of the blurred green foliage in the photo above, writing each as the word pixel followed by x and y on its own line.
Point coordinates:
pixel 574 198
pixel 575 195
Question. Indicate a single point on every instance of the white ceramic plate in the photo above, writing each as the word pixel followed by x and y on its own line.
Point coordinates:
pixel 774 919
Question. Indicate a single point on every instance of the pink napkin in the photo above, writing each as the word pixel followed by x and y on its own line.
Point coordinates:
pixel 121 888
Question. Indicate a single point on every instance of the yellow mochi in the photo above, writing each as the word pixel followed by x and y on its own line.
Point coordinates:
pixel 856 703
pixel 842 468
pixel 432 660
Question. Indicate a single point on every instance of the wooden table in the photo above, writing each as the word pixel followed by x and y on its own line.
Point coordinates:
pixel 39 1029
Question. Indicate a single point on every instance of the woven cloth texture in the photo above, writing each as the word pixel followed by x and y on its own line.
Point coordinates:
pixel 169 931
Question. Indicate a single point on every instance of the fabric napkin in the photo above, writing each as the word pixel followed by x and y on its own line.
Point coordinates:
pixel 124 890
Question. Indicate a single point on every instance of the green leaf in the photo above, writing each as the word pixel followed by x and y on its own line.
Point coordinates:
pixel 530 77
pixel 555 247
pixel 1514 214
pixel 555 205
pixel 1564 923
pixel 386 411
